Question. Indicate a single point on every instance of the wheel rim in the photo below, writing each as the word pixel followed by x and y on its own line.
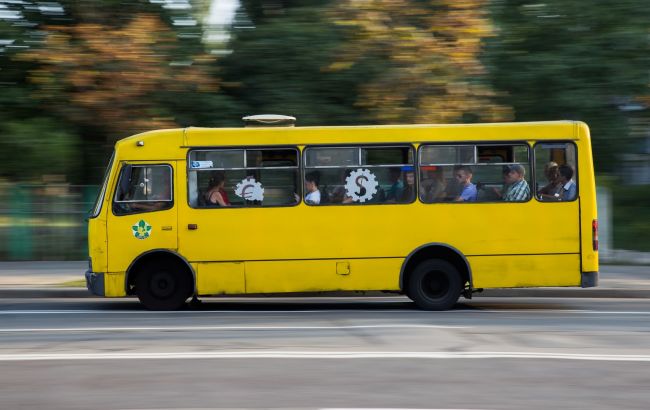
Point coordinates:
pixel 162 284
pixel 435 285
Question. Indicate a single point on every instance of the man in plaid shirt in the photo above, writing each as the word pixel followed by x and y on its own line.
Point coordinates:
pixel 516 187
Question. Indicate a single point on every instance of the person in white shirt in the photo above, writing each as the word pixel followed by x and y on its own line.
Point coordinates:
pixel 569 188
pixel 312 180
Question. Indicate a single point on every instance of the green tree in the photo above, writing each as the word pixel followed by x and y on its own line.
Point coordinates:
pixel 578 60
pixel 427 59
pixel 373 61
pixel 110 69
pixel 279 63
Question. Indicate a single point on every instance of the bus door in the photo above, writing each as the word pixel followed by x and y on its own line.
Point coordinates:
pixel 143 214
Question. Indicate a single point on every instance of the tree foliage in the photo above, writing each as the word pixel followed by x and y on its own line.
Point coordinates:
pixel 112 75
pixel 577 60
pixel 279 59
pixel 427 53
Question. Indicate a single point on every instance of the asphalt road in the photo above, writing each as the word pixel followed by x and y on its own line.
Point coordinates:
pixel 488 353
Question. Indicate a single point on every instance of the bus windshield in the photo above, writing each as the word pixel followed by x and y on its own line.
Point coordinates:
pixel 100 196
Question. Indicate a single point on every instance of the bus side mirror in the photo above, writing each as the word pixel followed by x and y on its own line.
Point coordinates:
pixel 125 182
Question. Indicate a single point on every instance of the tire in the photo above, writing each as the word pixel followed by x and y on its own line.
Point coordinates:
pixel 434 284
pixel 163 286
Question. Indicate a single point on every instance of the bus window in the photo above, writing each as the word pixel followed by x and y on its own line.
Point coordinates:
pixel 555 172
pixel 474 173
pixel 143 189
pixel 359 175
pixel 243 177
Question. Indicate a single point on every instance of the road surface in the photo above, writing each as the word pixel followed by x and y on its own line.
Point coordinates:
pixel 488 353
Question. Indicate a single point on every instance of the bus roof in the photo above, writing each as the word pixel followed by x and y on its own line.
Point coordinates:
pixel 172 143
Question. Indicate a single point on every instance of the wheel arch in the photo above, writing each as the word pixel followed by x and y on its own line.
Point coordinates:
pixel 435 250
pixel 154 254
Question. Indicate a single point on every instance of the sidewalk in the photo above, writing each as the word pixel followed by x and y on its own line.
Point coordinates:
pixel 65 280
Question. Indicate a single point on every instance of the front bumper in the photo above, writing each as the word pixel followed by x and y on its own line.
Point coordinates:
pixel 95 283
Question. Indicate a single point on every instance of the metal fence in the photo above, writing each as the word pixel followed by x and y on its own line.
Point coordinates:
pixel 44 222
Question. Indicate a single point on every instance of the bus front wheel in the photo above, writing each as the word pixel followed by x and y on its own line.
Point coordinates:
pixel 163 286
pixel 434 284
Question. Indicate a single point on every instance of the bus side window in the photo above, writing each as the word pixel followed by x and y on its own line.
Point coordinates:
pixel 473 173
pixel 143 189
pixel 360 175
pixel 251 177
pixel 555 172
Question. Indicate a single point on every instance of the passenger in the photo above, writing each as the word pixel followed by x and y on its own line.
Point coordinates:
pixel 312 180
pixel 339 194
pixel 551 191
pixel 463 175
pixel 516 188
pixel 569 188
pixel 157 193
pixel 396 190
pixel 216 194
pixel 409 185
pixel 433 185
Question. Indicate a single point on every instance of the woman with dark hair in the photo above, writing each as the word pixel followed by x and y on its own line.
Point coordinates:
pixel 216 195
pixel 312 181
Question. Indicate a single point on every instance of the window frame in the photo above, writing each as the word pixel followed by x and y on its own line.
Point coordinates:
pixel 143 165
pixel 243 148
pixel 475 144
pixel 411 146
pixel 99 201
pixel 575 171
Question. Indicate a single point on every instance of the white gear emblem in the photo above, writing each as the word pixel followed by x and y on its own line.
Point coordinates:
pixel 250 190
pixel 359 181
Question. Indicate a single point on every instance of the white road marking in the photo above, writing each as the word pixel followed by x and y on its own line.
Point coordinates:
pixel 391 408
pixel 318 355
pixel 226 328
pixel 264 312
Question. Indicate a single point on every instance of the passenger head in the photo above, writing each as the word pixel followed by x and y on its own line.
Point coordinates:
pixel 566 173
pixel 218 180
pixel 410 178
pixel 409 175
pixel 513 173
pixel 551 171
pixel 463 174
pixel 394 173
pixel 312 181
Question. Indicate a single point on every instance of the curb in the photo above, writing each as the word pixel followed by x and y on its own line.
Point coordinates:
pixel 597 293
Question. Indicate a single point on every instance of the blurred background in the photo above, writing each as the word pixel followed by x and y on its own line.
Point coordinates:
pixel 77 75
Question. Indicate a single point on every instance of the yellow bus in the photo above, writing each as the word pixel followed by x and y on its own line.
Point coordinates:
pixel 429 211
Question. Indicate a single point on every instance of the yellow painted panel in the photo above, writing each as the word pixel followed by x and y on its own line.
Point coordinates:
pixel 321 275
pixel 220 278
pixel 510 271
pixel 114 284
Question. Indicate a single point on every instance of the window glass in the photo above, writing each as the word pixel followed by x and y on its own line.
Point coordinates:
pixel 386 175
pixel 445 154
pixel 100 196
pixel 480 173
pixel 271 158
pixel 332 157
pixel 386 156
pixel 555 172
pixel 143 189
pixel 217 159
pixel 243 178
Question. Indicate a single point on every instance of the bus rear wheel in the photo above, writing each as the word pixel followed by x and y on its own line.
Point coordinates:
pixel 163 286
pixel 434 284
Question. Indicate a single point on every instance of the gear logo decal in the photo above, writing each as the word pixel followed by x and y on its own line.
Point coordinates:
pixel 141 230
pixel 250 190
pixel 361 185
